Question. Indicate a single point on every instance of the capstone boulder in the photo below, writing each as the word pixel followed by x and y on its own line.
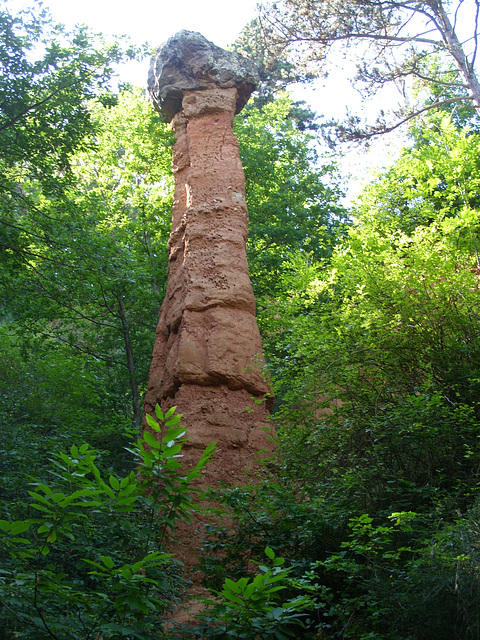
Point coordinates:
pixel 190 62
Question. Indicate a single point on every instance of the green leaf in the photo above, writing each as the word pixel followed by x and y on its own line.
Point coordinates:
pixel 20 540
pixel 151 440
pixel 80 493
pixel 228 595
pixel 158 413
pixel 174 450
pixel 107 561
pixel 125 572
pixel 40 498
pixel 19 526
pixel 259 581
pixel 114 483
pixel 52 536
pixel 170 413
pixel 269 553
pixel 249 590
pixel 45 488
pixel 173 434
pixel 173 421
pixel 152 423
pixel 232 586
pixel 5 525
pixel 44 528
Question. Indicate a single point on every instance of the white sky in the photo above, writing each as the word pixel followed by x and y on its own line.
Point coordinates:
pixel 153 21
pixel 156 20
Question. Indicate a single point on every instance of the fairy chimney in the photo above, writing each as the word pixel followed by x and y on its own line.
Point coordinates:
pixel 207 358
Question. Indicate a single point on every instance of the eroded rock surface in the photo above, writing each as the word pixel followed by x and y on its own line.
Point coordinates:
pixel 189 62
pixel 207 358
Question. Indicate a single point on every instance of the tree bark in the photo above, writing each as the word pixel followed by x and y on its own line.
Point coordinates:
pixel 456 49
pixel 137 415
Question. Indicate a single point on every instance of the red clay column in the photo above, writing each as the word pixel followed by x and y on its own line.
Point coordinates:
pixel 208 358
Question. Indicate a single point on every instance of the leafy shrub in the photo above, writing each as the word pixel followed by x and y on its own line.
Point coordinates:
pixel 89 560
pixel 390 584
pixel 252 607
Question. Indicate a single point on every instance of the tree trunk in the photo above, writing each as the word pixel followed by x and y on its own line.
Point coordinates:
pixel 456 49
pixel 137 416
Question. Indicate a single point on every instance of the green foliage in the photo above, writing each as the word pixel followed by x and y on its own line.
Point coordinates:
pixel 84 196
pixel 394 586
pixel 375 361
pixel 370 331
pixel 169 494
pixel 60 391
pixel 250 608
pixel 48 76
pixel 435 179
pixel 52 400
pixel 88 560
pixel 276 72
pixel 90 263
pixel 293 201
pixel 396 315
pixel 275 513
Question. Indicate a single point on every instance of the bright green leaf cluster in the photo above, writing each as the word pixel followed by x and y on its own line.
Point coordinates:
pixel 90 559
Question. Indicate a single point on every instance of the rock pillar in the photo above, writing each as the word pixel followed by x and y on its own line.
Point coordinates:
pixel 207 358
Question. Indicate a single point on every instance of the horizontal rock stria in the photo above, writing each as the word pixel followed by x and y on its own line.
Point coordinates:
pixel 207 358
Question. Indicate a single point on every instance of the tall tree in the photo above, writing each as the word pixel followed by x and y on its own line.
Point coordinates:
pixel 51 213
pixel 378 358
pixel 293 198
pixel 48 76
pixel 394 40
pixel 396 315
pixel 275 70
pixel 95 266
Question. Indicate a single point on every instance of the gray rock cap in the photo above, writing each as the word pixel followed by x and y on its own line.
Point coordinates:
pixel 188 61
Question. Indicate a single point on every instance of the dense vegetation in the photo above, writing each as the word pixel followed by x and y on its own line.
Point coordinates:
pixel 367 526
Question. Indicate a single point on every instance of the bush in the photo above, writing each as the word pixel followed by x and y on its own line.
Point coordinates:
pixel 89 560
pixel 252 607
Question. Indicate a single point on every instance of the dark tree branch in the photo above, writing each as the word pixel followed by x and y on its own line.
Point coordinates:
pixel 397 41
pixel 37 105
pixel 475 36
pixel 99 356
pixel 368 135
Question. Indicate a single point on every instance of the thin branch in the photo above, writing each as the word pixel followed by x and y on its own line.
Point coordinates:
pixel 38 610
pixel 455 17
pixel 26 621
pixel 30 205
pixel 475 36
pixel 25 252
pixel 399 73
pixel 64 305
pixel 363 36
pixel 35 106
pixel 30 233
pixel 104 358
pixel 411 116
